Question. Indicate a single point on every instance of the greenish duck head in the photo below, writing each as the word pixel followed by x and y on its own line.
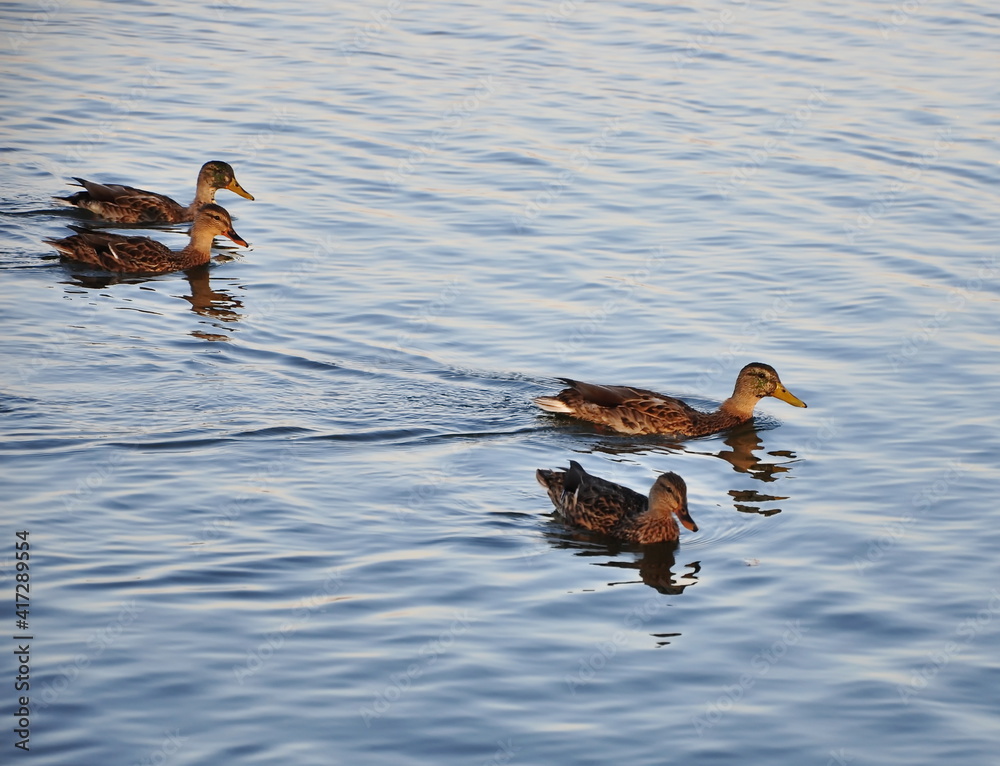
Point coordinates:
pixel 669 495
pixel 220 175
pixel 759 380
pixel 216 219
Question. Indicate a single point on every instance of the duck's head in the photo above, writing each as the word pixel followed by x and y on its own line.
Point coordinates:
pixel 759 380
pixel 669 495
pixel 216 219
pixel 220 175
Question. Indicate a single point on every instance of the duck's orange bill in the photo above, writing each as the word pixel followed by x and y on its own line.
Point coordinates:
pixel 243 243
pixel 686 519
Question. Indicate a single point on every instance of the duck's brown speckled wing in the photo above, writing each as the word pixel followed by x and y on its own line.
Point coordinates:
pixel 604 396
pixel 114 252
pixel 633 410
pixel 126 204
pixel 590 501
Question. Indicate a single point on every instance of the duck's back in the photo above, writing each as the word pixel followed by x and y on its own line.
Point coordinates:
pixel 114 252
pixel 127 204
pixel 629 410
pixel 590 501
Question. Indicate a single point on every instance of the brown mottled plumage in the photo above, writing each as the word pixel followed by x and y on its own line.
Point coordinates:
pixel 638 411
pixel 114 252
pixel 611 509
pixel 126 204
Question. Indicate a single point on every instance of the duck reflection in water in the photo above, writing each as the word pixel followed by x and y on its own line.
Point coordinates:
pixel 205 300
pixel 743 443
pixel 655 562
pixel 620 515
pixel 217 304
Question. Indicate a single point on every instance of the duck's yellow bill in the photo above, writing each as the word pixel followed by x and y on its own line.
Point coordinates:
pixel 787 396
pixel 234 186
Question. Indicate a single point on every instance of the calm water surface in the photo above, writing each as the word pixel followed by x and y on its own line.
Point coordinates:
pixel 284 510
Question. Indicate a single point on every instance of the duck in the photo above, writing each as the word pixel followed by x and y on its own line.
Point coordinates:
pixel 636 411
pixel 122 254
pixel 602 506
pixel 126 204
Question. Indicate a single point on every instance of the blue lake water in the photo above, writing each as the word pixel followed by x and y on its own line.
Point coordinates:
pixel 285 511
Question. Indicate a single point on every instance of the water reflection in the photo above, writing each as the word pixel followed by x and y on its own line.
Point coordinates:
pixel 744 451
pixel 654 563
pixel 217 304
pixel 207 301
pixel 743 443
pixel 743 497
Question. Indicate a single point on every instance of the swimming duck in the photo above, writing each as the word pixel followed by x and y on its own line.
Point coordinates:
pixel 125 204
pixel 638 411
pixel 611 509
pixel 115 252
